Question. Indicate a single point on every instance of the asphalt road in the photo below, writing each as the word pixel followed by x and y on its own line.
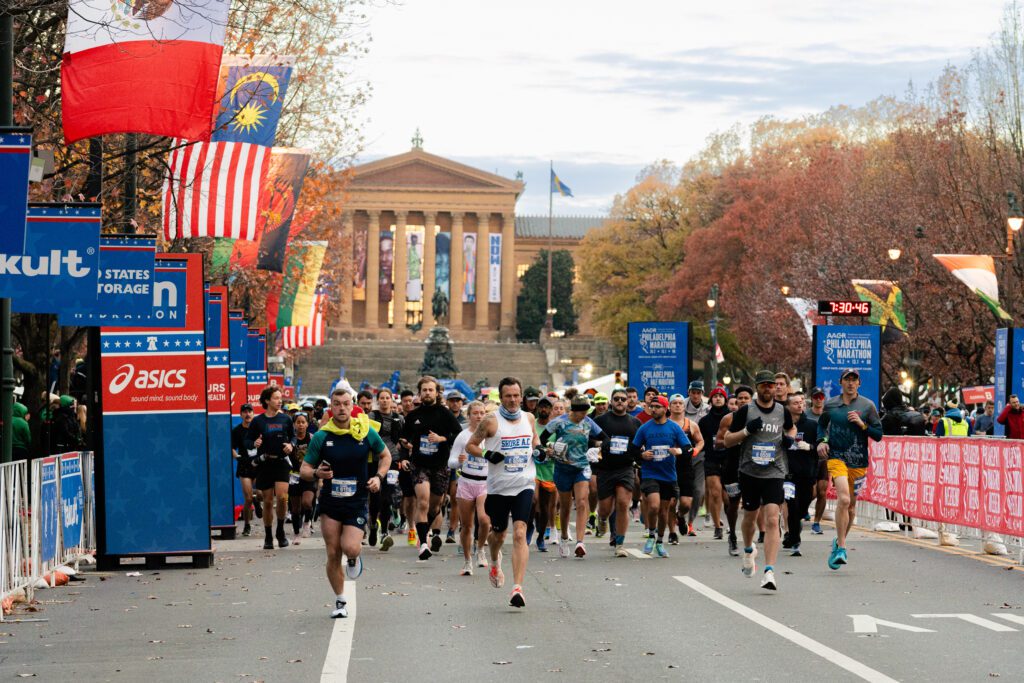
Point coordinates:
pixel 901 610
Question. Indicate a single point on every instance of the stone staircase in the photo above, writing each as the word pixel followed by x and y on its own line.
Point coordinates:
pixel 374 361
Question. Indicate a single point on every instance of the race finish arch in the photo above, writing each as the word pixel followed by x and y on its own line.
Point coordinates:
pixel 659 356
pixel 842 347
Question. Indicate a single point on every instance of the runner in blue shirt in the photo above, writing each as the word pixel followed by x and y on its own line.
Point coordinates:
pixel 660 441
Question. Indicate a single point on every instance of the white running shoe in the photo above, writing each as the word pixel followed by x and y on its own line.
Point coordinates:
pixel 481 557
pixel 564 547
pixel 340 610
pixel 620 551
pixel 768 580
pixel 581 550
pixel 749 566
pixel 467 569
pixel 496 576
pixel 354 567
pixel 425 551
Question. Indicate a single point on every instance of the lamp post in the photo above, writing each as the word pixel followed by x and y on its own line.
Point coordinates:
pixel 713 327
pixel 1014 220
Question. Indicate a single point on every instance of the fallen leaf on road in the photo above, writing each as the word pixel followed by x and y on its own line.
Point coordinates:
pixel 457 626
pixel 294 661
pixel 589 660
pixel 555 670
pixel 649 654
pixel 209 630
pixel 156 641
pixel 25 675
pixel 501 662
pixel 601 649
pixel 154 658
pixel 262 658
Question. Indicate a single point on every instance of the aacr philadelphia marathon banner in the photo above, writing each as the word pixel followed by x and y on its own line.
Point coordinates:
pixel 841 347
pixel 659 356
pixel 1009 370
pixel 218 410
pixel 152 477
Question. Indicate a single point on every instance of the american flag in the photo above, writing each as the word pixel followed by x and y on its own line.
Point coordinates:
pixel 213 189
pixel 293 337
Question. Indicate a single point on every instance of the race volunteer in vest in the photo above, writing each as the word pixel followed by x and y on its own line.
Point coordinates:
pixel 339 454
pixel 273 437
pixel 844 428
pixel 764 431
pixel 429 433
pixel 507 439
pixel 954 423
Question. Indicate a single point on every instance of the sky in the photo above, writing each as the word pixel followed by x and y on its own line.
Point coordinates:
pixel 603 89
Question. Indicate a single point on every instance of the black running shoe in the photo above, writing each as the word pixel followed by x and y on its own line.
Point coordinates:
pixel 424 552
pixel 259 508
pixel 268 544
pixel 673 538
pixel 373 534
pixel 718 534
pixel 246 530
pixel 733 547
pixel 760 537
pixel 282 540
pixel 435 543
pixel 787 542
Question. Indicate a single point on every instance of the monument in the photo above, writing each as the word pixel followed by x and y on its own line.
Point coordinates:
pixel 439 356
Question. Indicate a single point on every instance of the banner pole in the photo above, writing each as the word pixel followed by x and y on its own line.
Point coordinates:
pixel 6 119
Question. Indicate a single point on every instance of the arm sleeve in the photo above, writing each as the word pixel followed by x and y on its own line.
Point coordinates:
pixel 874 430
pixel 823 426
pixel 787 422
pixel 375 442
pixel 313 451
pixel 739 420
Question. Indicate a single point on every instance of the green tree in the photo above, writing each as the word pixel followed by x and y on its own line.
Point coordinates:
pixel 531 306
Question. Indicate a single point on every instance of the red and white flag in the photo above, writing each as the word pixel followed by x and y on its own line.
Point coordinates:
pixel 213 189
pixel 719 356
pixel 293 337
pixel 141 66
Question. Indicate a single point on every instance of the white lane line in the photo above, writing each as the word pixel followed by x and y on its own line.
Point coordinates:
pixel 637 554
pixel 838 658
pixel 340 648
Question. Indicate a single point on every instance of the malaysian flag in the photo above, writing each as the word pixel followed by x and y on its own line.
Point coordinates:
pixel 213 189
pixel 293 337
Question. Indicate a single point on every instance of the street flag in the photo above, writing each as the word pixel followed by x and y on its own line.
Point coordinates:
pixel 141 66
pixel 886 306
pixel 220 260
pixel 212 189
pixel 719 356
pixel 250 97
pixel 278 195
pixel 312 334
pixel 298 292
pixel 558 186
pixel 979 274
pixel 15 157
pixel 807 310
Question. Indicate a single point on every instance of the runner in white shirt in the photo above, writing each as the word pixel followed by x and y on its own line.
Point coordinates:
pixel 510 444
pixel 472 489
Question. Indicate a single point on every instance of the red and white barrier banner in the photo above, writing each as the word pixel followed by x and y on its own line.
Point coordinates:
pixel 971 482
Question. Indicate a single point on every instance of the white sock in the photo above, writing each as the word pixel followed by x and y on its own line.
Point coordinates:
pixel 341 597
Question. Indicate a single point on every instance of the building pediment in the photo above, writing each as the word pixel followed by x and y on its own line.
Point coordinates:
pixel 419 170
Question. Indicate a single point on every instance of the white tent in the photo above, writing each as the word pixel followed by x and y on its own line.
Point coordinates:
pixel 602 385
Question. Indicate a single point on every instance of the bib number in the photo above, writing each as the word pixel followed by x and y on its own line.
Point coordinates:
pixel 561 451
pixel 618 445
pixel 293 478
pixel 427 448
pixel 392 477
pixel 343 488
pixel 789 489
pixel 763 453
pixel 516 463
pixel 660 453
pixel 732 490
pixel 858 485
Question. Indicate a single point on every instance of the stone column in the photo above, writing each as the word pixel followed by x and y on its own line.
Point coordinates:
pixel 508 276
pixel 345 290
pixel 429 268
pixel 457 266
pixel 483 229
pixel 400 270
pixel 373 271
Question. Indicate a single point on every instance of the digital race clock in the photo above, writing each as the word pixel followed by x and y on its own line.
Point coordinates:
pixel 852 308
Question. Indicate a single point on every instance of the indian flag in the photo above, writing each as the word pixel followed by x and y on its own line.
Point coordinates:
pixel 979 274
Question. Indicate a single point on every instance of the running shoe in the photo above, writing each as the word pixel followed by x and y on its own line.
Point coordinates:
pixel 354 567
pixel 787 542
pixel 795 551
pixel 749 566
pixel 592 521
pixel 340 610
pixel 467 569
pixel 481 558
pixel 247 530
pixel 425 552
pixel 517 599
pixel 450 538
pixel 547 534
pixel 807 518
pixel 268 544
pixel 258 505
pixel 660 550
pixel 718 534
pixel 563 548
pixel 386 543
pixel 841 556
pixel 734 549
pixel 374 530
pixel 760 537
pixel 833 556
pixel 435 543
pixel 496 576
pixel 691 531
pixel 620 551
pixel 768 580
pixel 542 547
pixel 581 550
pixel 816 529
pixel 673 538
pixel 649 545
pixel 282 540
pixel 602 527
pixel 411 537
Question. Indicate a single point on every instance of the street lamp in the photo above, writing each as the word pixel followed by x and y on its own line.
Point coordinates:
pixel 713 327
pixel 549 320
pixel 1014 220
pixel 784 289
pixel 894 254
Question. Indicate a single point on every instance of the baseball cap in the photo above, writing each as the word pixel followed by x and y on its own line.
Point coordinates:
pixel 676 397
pixel 817 391
pixel 245 406
pixel 696 385
pixel 764 377
pixel 661 401
pixel 600 398
pixel 456 394
pixel 307 405
pixel 544 400
pixel 531 392
pixel 847 372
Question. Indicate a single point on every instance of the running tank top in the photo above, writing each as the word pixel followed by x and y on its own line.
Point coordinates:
pixel 516 472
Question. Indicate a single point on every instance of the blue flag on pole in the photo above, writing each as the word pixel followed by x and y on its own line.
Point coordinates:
pixel 251 95
pixel 558 186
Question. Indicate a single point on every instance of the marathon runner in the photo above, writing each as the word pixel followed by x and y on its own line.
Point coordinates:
pixel 300 492
pixel 730 467
pixel 814 412
pixel 429 433
pixel 803 472
pixel 455 401
pixel 846 424
pixel 547 494
pixel 507 439
pixel 662 442
pixel 615 470
pixel 246 468
pixel 764 431
pixel 339 455
pixel 273 437
pixel 714 456
pixel 691 473
pixel 471 490
pixel 391 425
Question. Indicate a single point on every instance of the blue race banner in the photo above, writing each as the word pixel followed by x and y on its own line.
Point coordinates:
pixel 125 283
pixel 15 159
pixel 255 368
pixel 659 356
pixel 59 267
pixel 237 356
pixel 218 411
pixel 72 500
pixel 49 503
pixel 154 432
pixel 842 347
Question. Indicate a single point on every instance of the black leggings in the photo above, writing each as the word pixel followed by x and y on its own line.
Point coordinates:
pixel 380 506
pixel 798 506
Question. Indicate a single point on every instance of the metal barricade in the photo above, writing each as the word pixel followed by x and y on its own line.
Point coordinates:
pixel 15 568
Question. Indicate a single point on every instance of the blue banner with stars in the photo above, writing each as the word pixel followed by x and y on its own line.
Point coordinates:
pixel 15 159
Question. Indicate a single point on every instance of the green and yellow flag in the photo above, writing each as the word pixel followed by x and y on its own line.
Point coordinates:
pixel 886 306
pixel 298 290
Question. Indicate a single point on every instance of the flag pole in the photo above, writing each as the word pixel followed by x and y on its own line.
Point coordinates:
pixel 7 351
pixel 549 323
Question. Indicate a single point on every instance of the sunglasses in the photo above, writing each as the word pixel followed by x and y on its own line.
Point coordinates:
pixel 619 398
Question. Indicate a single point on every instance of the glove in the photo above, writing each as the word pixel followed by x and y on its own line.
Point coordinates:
pixel 754 425
pixel 593 454
pixel 687 452
pixel 539 454
pixel 494 457
pixel 803 446
pixel 262 457
pixel 787 442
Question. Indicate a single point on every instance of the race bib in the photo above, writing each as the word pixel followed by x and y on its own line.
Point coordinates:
pixel 392 477
pixel 427 448
pixel 732 490
pixel 475 466
pixel 618 445
pixel 763 453
pixel 789 488
pixel 343 488
pixel 561 450
pixel 858 484
pixel 516 463
pixel 293 478
pixel 660 452
pixel 251 452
